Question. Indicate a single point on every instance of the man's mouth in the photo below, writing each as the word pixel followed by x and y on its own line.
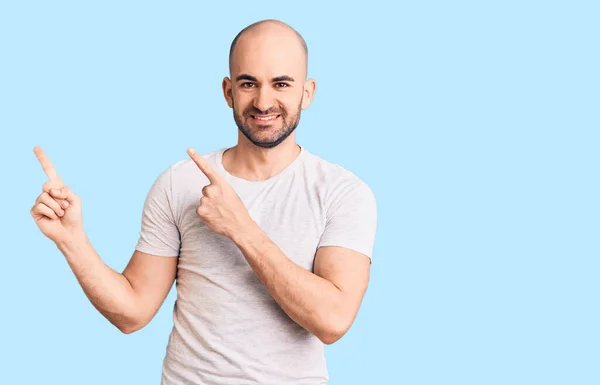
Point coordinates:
pixel 264 118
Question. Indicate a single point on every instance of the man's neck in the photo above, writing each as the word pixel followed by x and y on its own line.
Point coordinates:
pixel 250 162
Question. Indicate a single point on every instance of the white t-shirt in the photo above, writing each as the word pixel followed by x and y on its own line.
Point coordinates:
pixel 227 327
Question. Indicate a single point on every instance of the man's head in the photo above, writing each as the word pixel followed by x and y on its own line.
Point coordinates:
pixel 268 87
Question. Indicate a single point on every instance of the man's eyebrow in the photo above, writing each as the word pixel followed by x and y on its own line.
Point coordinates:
pixel 245 77
pixel 283 79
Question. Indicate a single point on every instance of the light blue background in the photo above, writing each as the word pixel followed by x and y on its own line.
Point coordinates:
pixel 475 123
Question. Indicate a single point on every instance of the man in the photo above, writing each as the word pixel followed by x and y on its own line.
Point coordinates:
pixel 271 245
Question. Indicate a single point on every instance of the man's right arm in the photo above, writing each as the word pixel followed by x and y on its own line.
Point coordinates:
pixel 129 300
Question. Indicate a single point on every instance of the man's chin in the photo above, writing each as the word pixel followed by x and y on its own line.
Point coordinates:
pixel 265 141
pixel 266 144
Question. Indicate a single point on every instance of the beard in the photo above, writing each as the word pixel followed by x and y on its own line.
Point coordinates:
pixel 279 134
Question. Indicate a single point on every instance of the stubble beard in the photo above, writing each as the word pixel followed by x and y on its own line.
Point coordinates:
pixel 287 126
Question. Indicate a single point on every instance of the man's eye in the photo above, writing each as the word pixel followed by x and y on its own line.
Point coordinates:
pixel 282 85
pixel 247 85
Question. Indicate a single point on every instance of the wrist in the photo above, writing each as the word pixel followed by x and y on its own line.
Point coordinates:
pixel 72 242
pixel 246 234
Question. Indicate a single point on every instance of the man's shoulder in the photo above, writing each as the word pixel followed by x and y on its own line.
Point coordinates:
pixel 340 188
pixel 331 173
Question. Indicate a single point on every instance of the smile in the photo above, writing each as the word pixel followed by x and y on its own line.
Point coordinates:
pixel 265 118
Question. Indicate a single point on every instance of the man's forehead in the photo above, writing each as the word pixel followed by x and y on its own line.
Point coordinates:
pixel 267 64
pixel 267 74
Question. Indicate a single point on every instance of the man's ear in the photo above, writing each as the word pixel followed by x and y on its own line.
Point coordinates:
pixel 310 87
pixel 227 91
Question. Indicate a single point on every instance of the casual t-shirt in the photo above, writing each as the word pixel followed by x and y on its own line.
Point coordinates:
pixel 227 327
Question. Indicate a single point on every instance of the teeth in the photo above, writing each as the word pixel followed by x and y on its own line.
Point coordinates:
pixel 265 117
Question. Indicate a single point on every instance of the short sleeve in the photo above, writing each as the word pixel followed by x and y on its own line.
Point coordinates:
pixel 159 234
pixel 352 220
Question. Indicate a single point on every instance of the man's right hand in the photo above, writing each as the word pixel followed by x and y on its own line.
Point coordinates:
pixel 57 210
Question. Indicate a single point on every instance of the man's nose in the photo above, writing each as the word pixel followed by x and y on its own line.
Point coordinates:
pixel 263 99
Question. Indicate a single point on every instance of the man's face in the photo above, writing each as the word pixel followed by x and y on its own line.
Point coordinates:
pixel 266 125
pixel 267 89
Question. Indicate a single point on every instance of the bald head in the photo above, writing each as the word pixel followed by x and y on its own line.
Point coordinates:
pixel 266 29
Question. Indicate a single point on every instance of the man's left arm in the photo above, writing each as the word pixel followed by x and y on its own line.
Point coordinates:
pixel 324 302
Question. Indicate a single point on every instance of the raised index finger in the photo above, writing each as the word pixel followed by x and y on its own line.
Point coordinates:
pixel 47 166
pixel 203 165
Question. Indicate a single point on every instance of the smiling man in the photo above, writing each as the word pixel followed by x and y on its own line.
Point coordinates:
pixel 269 244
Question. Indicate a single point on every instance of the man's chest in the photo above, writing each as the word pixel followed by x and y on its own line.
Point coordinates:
pixel 294 220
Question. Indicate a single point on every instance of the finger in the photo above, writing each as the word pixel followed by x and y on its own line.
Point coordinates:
pixel 47 166
pixel 204 166
pixel 46 187
pixel 49 186
pixel 50 202
pixel 202 209
pixel 41 209
pixel 205 190
pixel 203 201
pixel 65 194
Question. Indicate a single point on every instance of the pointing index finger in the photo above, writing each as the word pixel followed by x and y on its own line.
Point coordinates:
pixel 47 166
pixel 204 166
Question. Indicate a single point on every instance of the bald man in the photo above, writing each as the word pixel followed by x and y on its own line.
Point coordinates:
pixel 269 244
